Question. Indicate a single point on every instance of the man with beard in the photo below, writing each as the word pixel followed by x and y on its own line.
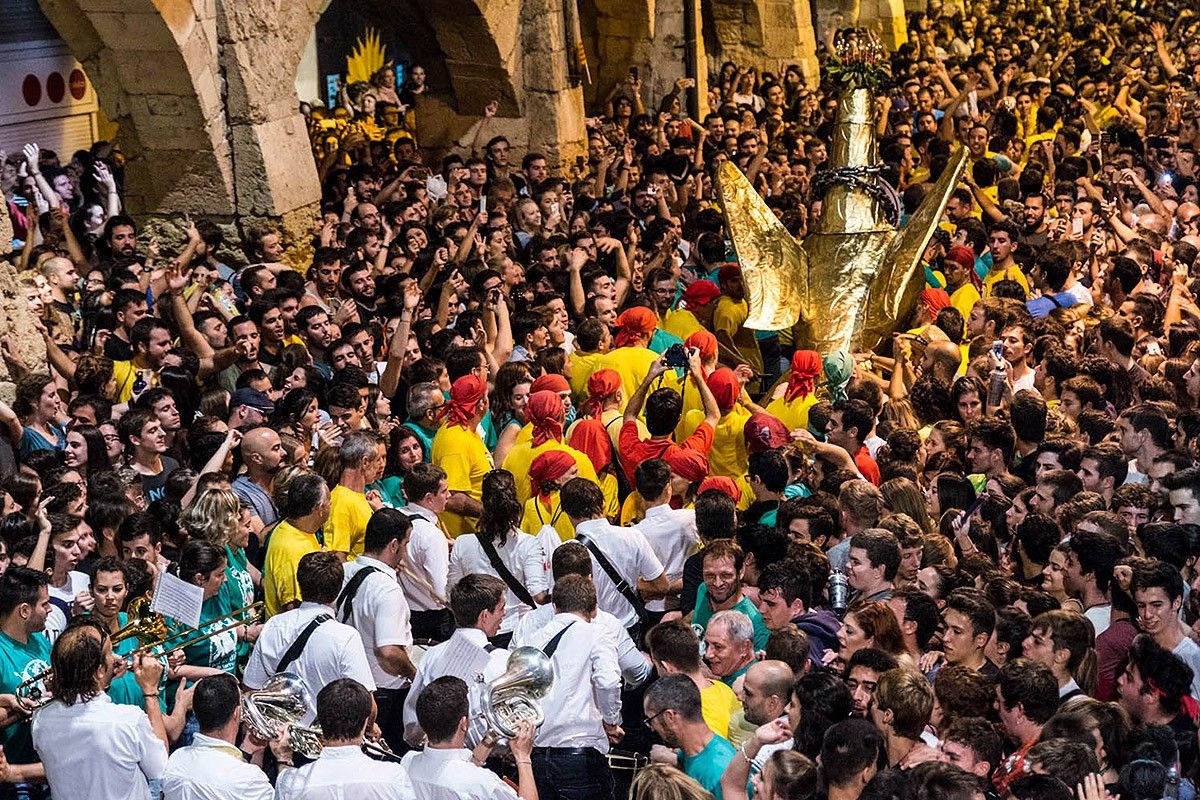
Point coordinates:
pixel 766 691
pixel 317 334
pixel 359 283
pixel 129 306
pixel 263 454
pixel 672 707
pixel 272 330
pixel 151 341
pixel 722 590
pixel 1035 229
pixel 120 239
pixel 244 334
pixel 322 287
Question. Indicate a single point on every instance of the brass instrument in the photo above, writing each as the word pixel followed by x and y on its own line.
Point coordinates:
pixel 512 697
pixel 150 628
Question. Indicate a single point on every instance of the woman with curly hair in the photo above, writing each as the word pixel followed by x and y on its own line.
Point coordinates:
pixel 217 516
pixel 499 534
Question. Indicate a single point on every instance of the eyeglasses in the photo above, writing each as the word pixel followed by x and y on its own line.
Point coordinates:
pixel 653 717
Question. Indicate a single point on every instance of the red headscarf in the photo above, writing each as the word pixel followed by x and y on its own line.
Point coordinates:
pixel 633 324
pixel 549 466
pixel 545 413
pixel 726 387
pixel 589 437
pixel 935 300
pixel 550 382
pixel 601 385
pixel 722 484
pixel 806 366
pixel 465 395
pixel 703 341
pixel 690 465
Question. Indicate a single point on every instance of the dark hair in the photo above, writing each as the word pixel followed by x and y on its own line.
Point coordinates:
pixel 303 496
pixel 973 605
pixel 771 467
pixel 1032 685
pixel 923 610
pixel 663 408
pixel 652 477
pixel 385 525
pixel 826 700
pixel 343 708
pixel 320 577
pixel 1097 553
pixel 423 479
pixel 441 707
pixel 716 515
pixel 978 734
pixel 473 595
pixel 501 508
pixel 848 748
pixel 856 414
pixel 75 659
pixel 199 557
pixel 215 700
pixel 97 448
pixel 1158 575
pixel 675 643
pixel 994 434
pixel 579 498
pixel 678 693
pixel 881 547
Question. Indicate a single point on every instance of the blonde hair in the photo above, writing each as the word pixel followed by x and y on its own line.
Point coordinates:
pixel 663 782
pixel 215 516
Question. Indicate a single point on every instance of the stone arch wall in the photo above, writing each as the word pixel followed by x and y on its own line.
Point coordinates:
pixel 768 33
pixel 155 70
pixel 617 34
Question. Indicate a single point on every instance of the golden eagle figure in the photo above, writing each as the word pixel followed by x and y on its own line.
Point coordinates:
pixel 856 276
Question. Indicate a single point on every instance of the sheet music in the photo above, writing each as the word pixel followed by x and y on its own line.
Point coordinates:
pixel 178 599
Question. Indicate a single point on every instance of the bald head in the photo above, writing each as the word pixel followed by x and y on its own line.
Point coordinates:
pixel 772 677
pixel 262 451
pixel 1154 222
pixel 942 359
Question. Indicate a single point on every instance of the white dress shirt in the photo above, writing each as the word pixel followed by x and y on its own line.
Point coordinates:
pixel 333 651
pixel 629 553
pixel 524 558
pixel 380 616
pixel 635 665
pixel 344 773
pixel 428 561
pixel 671 533
pixel 98 749
pixel 464 655
pixel 583 660
pixel 213 769
pixel 449 774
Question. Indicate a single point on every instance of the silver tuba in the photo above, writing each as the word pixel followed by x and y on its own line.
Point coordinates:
pixel 512 697
pixel 277 708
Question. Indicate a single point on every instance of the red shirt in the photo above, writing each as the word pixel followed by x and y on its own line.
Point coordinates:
pixel 635 450
pixel 866 465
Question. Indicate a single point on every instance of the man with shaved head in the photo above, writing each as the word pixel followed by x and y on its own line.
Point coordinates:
pixel 263 454
pixel 941 360
pixel 766 690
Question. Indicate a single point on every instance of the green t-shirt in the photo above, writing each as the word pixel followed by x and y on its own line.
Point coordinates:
pixel 18 662
pixel 703 613
pixel 125 690
pixel 218 652
pixel 707 766
pixel 391 490
pixel 238 590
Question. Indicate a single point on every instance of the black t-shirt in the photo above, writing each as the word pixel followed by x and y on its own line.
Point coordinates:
pixel 155 485
pixel 118 349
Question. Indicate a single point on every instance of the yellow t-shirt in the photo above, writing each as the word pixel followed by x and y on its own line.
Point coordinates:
pixel 793 413
pixel 994 276
pixel 728 456
pixel 682 323
pixel 717 704
pixel 521 456
pixel 632 364
pixel 349 513
pixel 964 299
pixel 125 374
pixel 537 515
pixel 730 318
pixel 582 367
pixel 287 546
pixel 465 458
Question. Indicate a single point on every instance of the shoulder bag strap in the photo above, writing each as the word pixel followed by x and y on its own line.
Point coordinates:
pixel 345 600
pixel 627 591
pixel 493 557
pixel 297 647
pixel 552 645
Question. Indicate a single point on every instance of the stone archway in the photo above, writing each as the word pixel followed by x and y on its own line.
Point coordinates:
pixel 154 68
pixel 768 33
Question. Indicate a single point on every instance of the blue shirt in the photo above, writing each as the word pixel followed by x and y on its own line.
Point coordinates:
pixel 707 766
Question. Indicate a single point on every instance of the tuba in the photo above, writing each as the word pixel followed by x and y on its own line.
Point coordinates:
pixel 512 697
pixel 277 708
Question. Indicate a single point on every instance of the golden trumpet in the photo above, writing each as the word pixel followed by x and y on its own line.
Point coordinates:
pixel 150 628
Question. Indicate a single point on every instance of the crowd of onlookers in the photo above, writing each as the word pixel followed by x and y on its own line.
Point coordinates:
pixel 514 403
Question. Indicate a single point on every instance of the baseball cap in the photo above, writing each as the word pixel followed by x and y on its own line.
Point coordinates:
pixel 252 398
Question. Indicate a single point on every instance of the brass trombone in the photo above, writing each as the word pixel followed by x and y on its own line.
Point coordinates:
pixel 150 628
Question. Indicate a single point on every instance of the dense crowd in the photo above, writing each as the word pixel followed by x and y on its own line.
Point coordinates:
pixel 516 406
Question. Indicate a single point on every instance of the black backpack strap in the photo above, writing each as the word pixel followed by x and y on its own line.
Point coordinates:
pixel 627 591
pixel 345 600
pixel 297 647
pixel 552 645
pixel 493 557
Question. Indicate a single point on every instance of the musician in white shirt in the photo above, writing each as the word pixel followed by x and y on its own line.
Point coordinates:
pixel 572 558
pixel 91 747
pixel 478 605
pixel 583 707
pixel 213 767
pixel 428 565
pixel 375 606
pixel 446 769
pixel 671 532
pixel 626 550
pixel 333 650
pixel 516 551
pixel 343 770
